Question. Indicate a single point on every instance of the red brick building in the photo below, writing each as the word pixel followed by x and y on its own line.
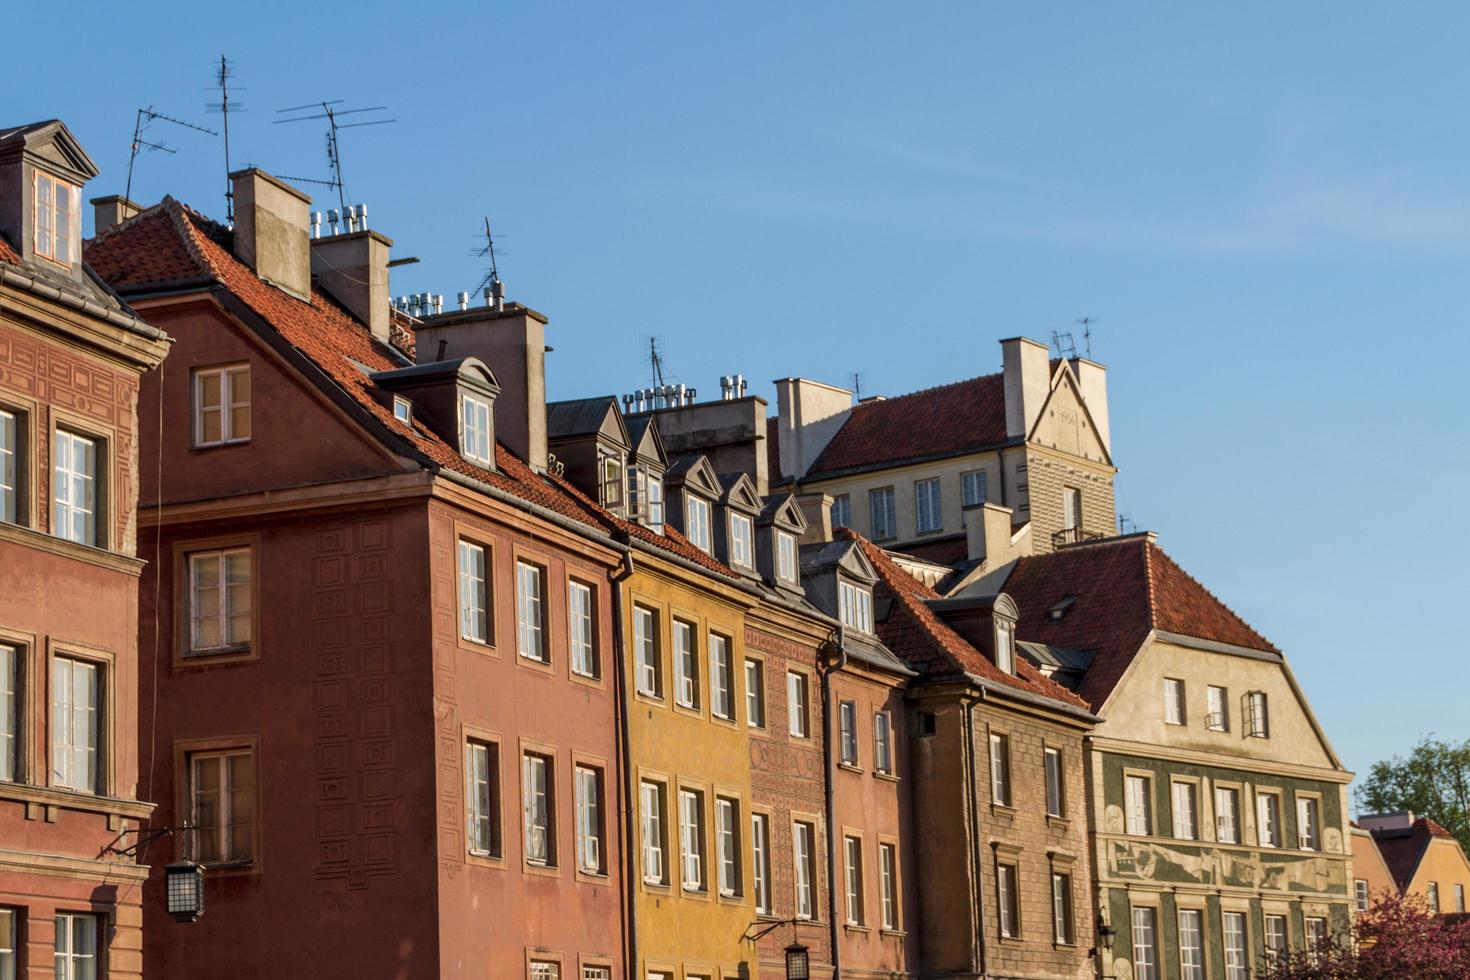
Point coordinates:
pixel 71 356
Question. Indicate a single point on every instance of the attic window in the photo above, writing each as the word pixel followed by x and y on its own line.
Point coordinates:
pixel 855 606
pixel 612 481
pixel 402 410
pixel 785 557
pixel 1055 613
pixel 696 521
pixel 474 428
pixel 646 497
pixel 56 214
pixel 742 533
pixel 1005 645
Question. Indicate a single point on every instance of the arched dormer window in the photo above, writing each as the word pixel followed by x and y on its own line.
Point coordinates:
pixel 1005 645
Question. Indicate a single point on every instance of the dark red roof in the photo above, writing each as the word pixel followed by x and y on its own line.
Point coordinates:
pixel 1402 850
pixel 944 551
pixel 1124 587
pixel 930 646
pixel 966 416
pixel 8 254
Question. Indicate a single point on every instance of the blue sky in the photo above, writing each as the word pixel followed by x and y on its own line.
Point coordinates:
pixel 1267 209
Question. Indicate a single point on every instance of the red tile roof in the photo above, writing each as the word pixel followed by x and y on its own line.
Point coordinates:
pixel 1403 850
pixel 930 646
pixel 945 551
pixel 1124 587
pixel 8 254
pixel 957 418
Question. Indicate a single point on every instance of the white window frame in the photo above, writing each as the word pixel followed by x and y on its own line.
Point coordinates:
pixel 686 665
pixel 588 783
pixel 727 845
pixel 1052 770
pixel 1174 708
pixel 474 593
pixel 883 743
pixel 1258 715
pixel 842 510
pixel 742 541
pixel 928 506
pixel 1145 921
pixel 803 851
pixel 227 377
pixel 1008 899
pixel 1269 832
pixel 755 693
pixel 1138 804
pixel 888 884
pixel 538 804
pixel 531 612
pixel 610 475
pixel 9 967
pixel 1275 941
pixel 651 814
pixel 75 490
pixel 697 521
pixel 882 513
pixel 76 728
pixel 654 492
pixel 1459 897
pixel 582 628
pixel 1071 509
pixel 545 970
pixel 1000 769
pixel 1061 908
pixel 1191 944
pixel 1431 895
pixel 474 429
pixel 1005 645
pixel 721 677
pixel 226 807
pixel 226 562
pixel 847 730
pixel 855 606
pixel 1308 823
pixel 786 556
pixel 58 205
pixel 1217 715
pixel 974 487
pixel 76 946
pixel 1237 945
pixel 403 409
pixel 11 472
pixel 482 798
pixel 852 852
pixel 798 697
pixel 760 862
pixel 1227 815
pixel 691 840
pixel 1314 936
pixel 1360 894
pixel 12 711
pixel 1184 808
pixel 645 647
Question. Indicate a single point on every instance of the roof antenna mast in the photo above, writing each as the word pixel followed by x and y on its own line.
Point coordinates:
pixel 491 279
pixel 857 385
pixel 146 116
pixel 1087 322
pixel 330 112
pixel 656 361
pixel 222 76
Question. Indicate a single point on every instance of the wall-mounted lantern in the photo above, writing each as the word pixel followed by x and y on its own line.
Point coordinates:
pixel 798 965
pixel 185 882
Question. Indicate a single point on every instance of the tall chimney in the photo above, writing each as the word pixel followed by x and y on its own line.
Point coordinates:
pixel 1092 379
pixel 111 210
pixel 353 268
pixel 512 340
pixel 271 230
pixel 810 414
pixel 1027 380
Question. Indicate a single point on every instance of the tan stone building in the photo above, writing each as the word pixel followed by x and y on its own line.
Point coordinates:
pixel 1424 860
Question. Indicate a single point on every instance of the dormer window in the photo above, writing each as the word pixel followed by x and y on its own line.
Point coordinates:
pixel 611 479
pixel 402 409
pixel 646 497
pixel 56 211
pixel 696 521
pixel 474 428
pixel 786 557
pixel 742 532
pixel 1005 645
pixel 855 606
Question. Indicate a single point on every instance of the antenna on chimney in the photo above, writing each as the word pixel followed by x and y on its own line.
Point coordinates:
pixel 223 74
pixel 146 116
pixel 334 149
pixel 1087 322
pixel 491 284
pixel 656 361
pixel 857 385
pixel 1126 524
pixel 1063 344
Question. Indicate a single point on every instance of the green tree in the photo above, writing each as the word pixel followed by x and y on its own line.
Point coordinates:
pixel 1434 782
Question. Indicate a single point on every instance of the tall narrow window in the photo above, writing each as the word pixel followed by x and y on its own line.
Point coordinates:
pixel 1257 718
pixel 1005 645
pixel 1145 944
pixel 852 849
pixel 581 630
pixel 691 838
pixel 530 611
pixel 797 722
pixel 803 856
pixel 786 557
pixel 1000 769
pixel 1236 958
pixel 1071 508
pixel 589 819
pixel 222 797
pixel 1431 896
pixel 841 510
pixel 482 792
pixel 76 697
pixel 1173 701
pixel 1308 824
pixel 686 666
pixel 755 694
pixel 855 606
pixel 222 405
pixel 1138 806
pixel 655 506
pixel 637 492
pixel 539 803
pixel 9 958
pixel 888 883
pixel 727 845
pixel 927 503
pixel 1217 716
pixel 847 720
pixel 1459 898
pixel 1191 945
pixel 10 468
pixel 1185 799
pixel 474 428
pixel 721 678
pixel 696 521
pixel 1316 936
pixel 742 537
pixel 219 600
pixel 1061 908
pixel 474 610
pixel 1360 894
pixel 1009 904
pixel 645 645
pixel 611 470
pixel 1268 819
pixel 1054 799
pixel 1227 815
pixel 76 946
pixel 56 219
pixel 651 798
pixel 884 516
pixel 882 743
pixel 1276 942
pixel 10 713
pixel 74 489
pixel 974 486
pixel 760 861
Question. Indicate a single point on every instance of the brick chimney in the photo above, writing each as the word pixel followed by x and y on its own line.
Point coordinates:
pixel 353 268
pixel 1027 378
pixel 271 233
pixel 111 210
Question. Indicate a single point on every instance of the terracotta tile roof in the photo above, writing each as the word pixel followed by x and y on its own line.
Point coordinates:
pixel 1124 587
pixel 945 551
pixel 8 254
pixel 1402 850
pixel 930 646
pixel 962 417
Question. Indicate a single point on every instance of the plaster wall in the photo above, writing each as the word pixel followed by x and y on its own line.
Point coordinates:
pixel 1444 864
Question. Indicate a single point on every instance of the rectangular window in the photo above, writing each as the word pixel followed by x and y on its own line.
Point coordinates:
pixel 655 507
pixel 1316 930
pixel 9 958
pixel 842 510
pixel 1000 769
pixel 1236 962
pixel 884 516
pixel 402 409
pixel 686 666
pixel 760 855
pixel 742 536
pixel 1276 944
pixel 852 849
pixel 755 694
pixel 1061 908
pixel 545 970
pixel 1138 805
pixel 222 803
pixel 1308 824
pixel 581 629
pixel 56 212
pixel 1433 897
pixel 611 475
pixel 589 819
pixel 888 884
pixel 1008 886
pixel 651 797
pixel 10 714
pixel 1173 701
pixel 76 946
pixel 474 609
pixel 1268 819
pixel 482 793
pixel 974 485
pixel 222 405
pixel 785 557
pixel 721 678
pixel 1217 717
pixel 696 521
pixel 1360 893
pixel 1071 508
pixel 1145 944
pixel 796 704
pixel 855 606
pixel 538 801
pixel 1055 802
pixel 1257 718
pixel 474 429
pixel 1005 645
pixel 927 503
pixel 219 600
pixel 1459 898
pixel 803 855
pixel 530 611
pixel 882 743
pixel 727 844
pixel 1191 945
pixel 10 468
pixel 1185 800
pixel 847 720
pixel 76 724
pixel 691 838
pixel 645 645
pixel 74 489
pixel 1227 815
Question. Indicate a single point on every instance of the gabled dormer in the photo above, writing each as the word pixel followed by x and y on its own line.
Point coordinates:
pixel 693 489
pixel 777 533
pixel 591 442
pixel 838 579
pixel 42 171
pixel 988 622
pixel 455 399
pixel 736 512
pixel 646 466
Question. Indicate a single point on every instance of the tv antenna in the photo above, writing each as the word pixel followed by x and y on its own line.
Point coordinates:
pixel 1087 322
pixel 146 116
pixel 223 75
pixel 330 111
pixel 488 251
pixel 1063 344
pixel 656 360
pixel 857 385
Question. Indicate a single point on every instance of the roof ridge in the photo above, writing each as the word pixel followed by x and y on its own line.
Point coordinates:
pixel 1153 547
pixel 1153 589
pixel 178 214
pixel 126 223
pixel 886 399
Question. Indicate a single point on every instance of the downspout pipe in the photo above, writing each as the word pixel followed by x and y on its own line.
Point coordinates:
pixel 837 639
pixel 976 854
pixel 632 871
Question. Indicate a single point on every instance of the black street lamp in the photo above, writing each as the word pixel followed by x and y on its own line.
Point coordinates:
pixel 1106 934
pixel 185 884
pixel 798 967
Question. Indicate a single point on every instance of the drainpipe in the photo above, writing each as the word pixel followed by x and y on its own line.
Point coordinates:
pixel 977 856
pixel 632 869
pixel 833 838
